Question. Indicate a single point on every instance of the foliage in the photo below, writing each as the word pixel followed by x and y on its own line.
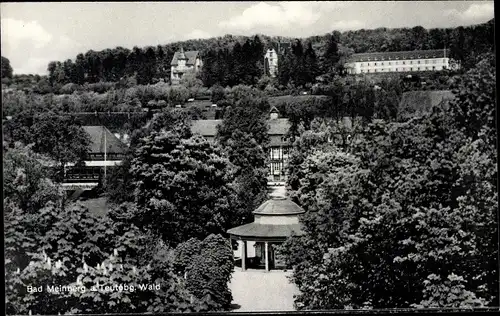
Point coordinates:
pixel 181 185
pixel 229 67
pixel 184 254
pixel 27 180
pixel 298 67
pixel 451 293
pixel 408 217
pixel 71 247
pixel 207 267
pixel 243 135
pixel 59 137
pixel 6 70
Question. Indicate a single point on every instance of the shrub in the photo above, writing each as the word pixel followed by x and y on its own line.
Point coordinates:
pixel 210 271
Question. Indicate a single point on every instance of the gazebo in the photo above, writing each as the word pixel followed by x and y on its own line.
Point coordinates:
pixel 275 220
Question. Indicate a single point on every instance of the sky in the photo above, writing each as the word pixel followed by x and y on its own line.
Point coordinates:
pixel 33 34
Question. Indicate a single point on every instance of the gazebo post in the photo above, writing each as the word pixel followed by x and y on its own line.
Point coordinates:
pixel 267 256
pixel 231 246
pixel 243 255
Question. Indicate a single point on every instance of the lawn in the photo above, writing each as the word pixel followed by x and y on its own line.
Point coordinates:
pixel 97 206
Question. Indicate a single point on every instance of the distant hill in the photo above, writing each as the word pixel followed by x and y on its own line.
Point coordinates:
pixel 152 63
pixel 417 102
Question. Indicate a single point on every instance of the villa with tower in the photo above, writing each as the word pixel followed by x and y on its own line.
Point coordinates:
pixel 184 62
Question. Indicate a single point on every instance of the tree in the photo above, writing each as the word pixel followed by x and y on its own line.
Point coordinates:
pixel 27 181
pixel 244 138
pixel 407 218
pixel 181 186
pixel 311 64
pixel 331 56
pixel 60 137
pixel 6 68
pixel 73 247
pixel 207 266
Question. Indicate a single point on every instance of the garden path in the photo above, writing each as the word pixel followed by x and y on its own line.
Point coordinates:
pixel 258 290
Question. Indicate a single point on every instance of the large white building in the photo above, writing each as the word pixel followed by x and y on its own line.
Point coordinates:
pixel 407 61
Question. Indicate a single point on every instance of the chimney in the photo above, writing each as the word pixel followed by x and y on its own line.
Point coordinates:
pixel 274 113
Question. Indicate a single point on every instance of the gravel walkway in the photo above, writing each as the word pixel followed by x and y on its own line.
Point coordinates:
pixel 257 290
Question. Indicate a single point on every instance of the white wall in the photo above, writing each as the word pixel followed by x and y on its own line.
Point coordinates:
pixel 276 220
pixel 250 249
pixel 399 65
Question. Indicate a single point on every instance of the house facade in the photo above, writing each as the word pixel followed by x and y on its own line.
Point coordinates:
pixel 271 57
pixel 405 61
pixel 279 144
pixel 184 62
pixel 106 151
pixel 271 62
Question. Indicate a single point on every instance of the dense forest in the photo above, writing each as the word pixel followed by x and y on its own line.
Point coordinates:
pixel 232 60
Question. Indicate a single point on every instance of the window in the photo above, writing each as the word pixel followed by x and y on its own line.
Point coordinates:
pixel 426 61
pixel 426 68
pixel 362 70
pixel 444 60
pixel 411 62
pixel 433 67
pixel 418 68
pixel 418 62
pixel 397 63
pixel 434 61
pixel 404 62
pixel 375 64
pixel 411 69
pixel 382 64
pixel 368 64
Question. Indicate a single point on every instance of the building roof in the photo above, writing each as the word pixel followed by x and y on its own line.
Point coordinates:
pixel 279 206
pixel 415 54
pixel 279 126
pixel 96 134
pixel 190 55
pixel 255 230
pixel 279 47
pixel 208 128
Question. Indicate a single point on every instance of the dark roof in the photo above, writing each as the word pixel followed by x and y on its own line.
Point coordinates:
pixel 415 54
pixel 190 55
pixel 279 126
pixel 266 230
pixel 208 128
pixel 278 206
pixel 113 144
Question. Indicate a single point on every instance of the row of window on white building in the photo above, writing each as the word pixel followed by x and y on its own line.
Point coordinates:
pixel 434 61
pixel 399 69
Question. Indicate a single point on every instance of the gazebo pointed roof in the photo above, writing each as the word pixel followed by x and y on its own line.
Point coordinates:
pixel 277 208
